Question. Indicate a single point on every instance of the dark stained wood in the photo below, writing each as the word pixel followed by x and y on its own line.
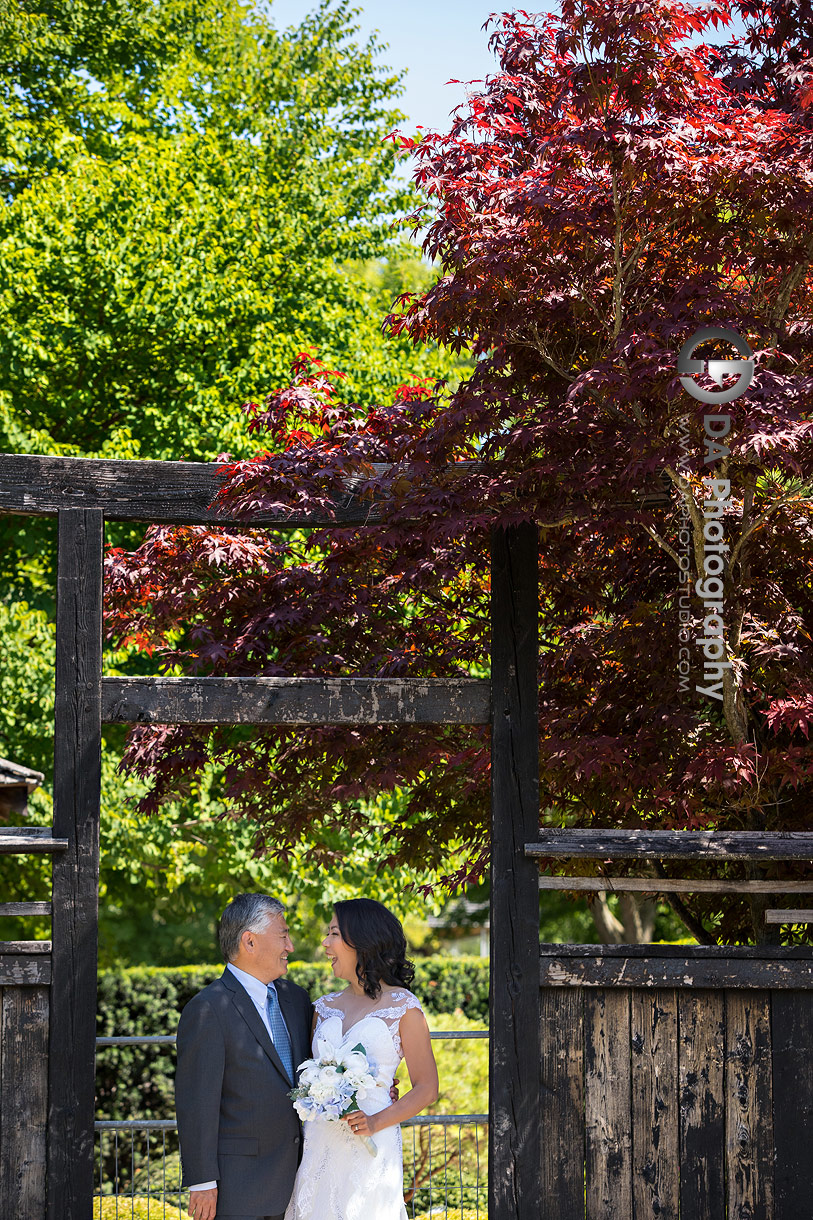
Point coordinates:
pixel 796 915
pixel 164 492
pixel 749 1106
pixel 654 1080
pixel 25 844
pixel 25 908
pixel 296 700
pixel 513 1132
pixel 701 1059
pixel 695 952
pixel 561 1113
pixel 77 777
pixel 17 970
pixel 676 885
pixel 181 492
pixel 674 844
pixel 34 832
pixel 792 1052
pixel 607 1116
pixel 688 971
pixel 23 1101
pixel 25 946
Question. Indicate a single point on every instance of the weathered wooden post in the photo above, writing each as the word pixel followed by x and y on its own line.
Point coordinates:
pixel 77 784
pixel 514 1137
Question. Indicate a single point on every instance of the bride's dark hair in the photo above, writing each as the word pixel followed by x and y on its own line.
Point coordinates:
pixel 378 939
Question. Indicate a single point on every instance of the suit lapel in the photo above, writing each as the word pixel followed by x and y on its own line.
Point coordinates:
pixel 245 1006
pixel 293 1020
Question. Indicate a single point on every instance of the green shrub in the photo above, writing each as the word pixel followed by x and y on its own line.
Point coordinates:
pixel 137 1081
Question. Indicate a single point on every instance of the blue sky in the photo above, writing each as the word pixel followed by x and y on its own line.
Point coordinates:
pixel 434 41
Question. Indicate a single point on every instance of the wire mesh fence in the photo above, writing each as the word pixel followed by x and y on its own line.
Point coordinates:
pixel 138 1169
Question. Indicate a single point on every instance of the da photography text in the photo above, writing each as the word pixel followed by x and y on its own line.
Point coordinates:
pixel 710 585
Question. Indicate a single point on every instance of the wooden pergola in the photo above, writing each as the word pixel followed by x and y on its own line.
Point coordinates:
pixel 83 494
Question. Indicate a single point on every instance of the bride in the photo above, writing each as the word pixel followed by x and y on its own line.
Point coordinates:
pixel 338 1178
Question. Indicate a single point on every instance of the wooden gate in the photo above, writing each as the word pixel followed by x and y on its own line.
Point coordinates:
pixel 82 493
pixel 676 1082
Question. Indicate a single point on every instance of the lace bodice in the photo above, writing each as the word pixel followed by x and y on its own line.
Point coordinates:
pixel 390 1014
pixel 338 1178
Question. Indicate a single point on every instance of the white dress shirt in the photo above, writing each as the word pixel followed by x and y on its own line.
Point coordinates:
pixel 258 994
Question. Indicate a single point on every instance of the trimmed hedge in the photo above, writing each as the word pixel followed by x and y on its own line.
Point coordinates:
pixel 137 1081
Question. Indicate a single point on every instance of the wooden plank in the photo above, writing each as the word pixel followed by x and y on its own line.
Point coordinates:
pixel 607 1116
pixel 18 970
pixel 749 1106
pixel 182 492
pixel 25 908
pixel 77 779
pixel 792 1052
pixel 296 700
pixel 701 1059
pixel 696 952
pixel 513 1130
pixel 654 1092
pixel 789 916
pixel 40 832
pixel 23 1101
pixel 646 885
pixel 598 971
pixel 675 844
pixel 25 845
pixel 178 493
pixel 25 946
pixel 561 1113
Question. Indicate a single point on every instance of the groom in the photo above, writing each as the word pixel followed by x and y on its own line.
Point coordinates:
pixel 239 1043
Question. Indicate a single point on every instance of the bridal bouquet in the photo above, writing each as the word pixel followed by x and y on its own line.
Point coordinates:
pixel 331 1086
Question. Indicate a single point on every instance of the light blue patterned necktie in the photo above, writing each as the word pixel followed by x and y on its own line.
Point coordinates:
pixel 282 1041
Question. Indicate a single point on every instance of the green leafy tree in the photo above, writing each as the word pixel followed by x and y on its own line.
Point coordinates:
pixel 189 197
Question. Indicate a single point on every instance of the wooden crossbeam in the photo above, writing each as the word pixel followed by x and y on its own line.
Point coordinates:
pixel 295 701
pixel 675 966
pixel 171 493
pixel 675 844
pixel 25 908
pixel 666 885
pixel 789 916
pixel 178 493
pixel 20 842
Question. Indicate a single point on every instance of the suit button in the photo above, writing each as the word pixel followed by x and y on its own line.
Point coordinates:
pixel 296 1139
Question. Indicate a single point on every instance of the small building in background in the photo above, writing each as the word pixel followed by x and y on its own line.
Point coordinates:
pixel 462 927
pixel 16 785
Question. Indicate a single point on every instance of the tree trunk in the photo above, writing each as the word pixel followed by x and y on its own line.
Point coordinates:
pixel 636 925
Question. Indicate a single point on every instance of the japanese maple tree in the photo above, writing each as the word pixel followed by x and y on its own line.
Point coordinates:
pixel 632 173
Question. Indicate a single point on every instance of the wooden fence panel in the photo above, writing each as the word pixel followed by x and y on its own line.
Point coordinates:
pixel 23 1100
pixel 701 1056
pixel 749 1106
pixel 688 1102
pixel 607 1117
pixel 792 1052
pixel 654 1066
pixel 562 1103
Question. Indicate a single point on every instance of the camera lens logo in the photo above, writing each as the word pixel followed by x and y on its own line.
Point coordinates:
pixel 688 367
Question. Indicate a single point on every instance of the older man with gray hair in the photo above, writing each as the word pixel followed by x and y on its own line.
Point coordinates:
pixel 240 1041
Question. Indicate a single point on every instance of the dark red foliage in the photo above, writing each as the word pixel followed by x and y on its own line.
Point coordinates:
pixel 609 191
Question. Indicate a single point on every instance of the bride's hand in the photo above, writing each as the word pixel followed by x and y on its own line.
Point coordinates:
pixel 361 1123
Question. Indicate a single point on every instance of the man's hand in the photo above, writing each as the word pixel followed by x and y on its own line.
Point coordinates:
pixel 394 1094
pixel 203 1204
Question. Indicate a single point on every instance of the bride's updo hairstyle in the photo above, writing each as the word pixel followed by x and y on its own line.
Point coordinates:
pixel 378 939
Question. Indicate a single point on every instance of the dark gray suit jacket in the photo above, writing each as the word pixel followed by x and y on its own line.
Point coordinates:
pixel 236 1124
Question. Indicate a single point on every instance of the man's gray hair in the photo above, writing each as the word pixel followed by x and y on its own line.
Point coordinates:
pixel 245 913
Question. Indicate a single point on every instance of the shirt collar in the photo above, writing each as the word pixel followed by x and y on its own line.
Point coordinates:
pixel 254 986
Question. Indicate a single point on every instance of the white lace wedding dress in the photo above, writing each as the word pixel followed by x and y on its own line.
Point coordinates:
pixel 338 1179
